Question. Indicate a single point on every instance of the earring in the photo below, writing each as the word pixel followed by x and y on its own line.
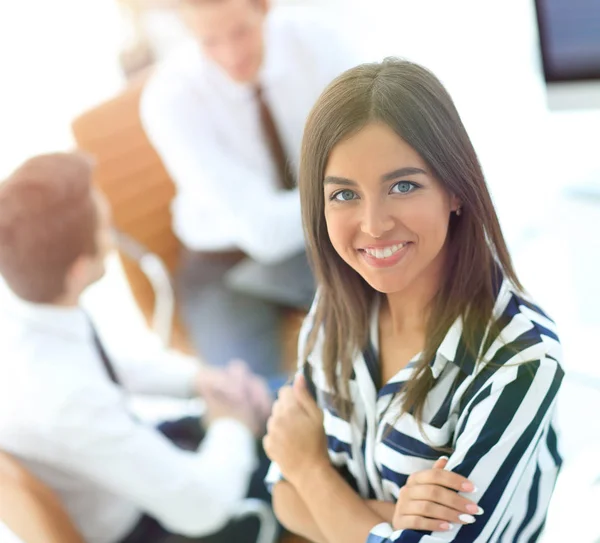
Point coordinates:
pixel 458 211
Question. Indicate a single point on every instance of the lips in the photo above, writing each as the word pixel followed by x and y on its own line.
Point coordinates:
pixel 384 252
pixel 385 256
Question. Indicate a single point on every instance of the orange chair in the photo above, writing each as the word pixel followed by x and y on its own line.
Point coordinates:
pixel 133 178
pixel 30 509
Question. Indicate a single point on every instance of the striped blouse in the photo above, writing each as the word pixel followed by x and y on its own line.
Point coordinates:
pixel 496 417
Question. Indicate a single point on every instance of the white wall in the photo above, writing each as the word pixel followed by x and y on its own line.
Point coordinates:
pixel 56 58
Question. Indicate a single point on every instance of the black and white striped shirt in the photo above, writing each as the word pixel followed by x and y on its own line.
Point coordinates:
pixel 495 415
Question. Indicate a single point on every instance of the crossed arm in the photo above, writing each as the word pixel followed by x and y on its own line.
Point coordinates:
pixel 316 502
pixel 293 512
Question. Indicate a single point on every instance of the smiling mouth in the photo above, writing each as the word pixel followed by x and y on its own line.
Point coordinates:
pixel 381 253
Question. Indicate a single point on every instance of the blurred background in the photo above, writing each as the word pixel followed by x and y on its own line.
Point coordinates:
pixel 525 77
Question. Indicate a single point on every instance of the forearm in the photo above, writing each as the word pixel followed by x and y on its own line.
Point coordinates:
pixel 160 373
pixel 293 513
pixel 340 514
pixel 385 510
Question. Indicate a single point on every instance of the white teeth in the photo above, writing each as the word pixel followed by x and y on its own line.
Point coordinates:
pixel 384 253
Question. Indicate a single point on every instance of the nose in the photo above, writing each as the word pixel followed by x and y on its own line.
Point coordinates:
pixel 376 220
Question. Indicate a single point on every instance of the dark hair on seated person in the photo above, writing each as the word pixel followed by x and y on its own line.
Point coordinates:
pixel 47 220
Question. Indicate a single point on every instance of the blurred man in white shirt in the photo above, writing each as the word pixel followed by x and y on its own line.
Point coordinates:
pixel 63 399
pixel 226 115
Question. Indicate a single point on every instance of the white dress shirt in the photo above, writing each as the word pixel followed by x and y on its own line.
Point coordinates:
pixel 207 130
pixel 69 424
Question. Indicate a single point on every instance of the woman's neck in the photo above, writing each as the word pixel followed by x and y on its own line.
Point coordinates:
pixel 408 310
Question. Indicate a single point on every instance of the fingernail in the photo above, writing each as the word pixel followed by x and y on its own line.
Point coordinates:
pixel 443 458
pixel 467 519
pixel 469 487
pixel 446 526
pixel 475 509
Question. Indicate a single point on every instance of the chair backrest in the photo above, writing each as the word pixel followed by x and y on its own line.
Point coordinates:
pixel 137 186
pixel 140 191
pixel 30 509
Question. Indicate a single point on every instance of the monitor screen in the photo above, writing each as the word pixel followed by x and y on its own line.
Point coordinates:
pixel 570 39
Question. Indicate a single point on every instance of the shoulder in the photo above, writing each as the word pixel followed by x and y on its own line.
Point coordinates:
pixel 522 344
pixel 39 380
pixel 520 330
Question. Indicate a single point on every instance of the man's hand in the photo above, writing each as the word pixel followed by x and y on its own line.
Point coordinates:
pixel 253 387
pixel 213 379
pixel 219 406
pixel 430 501
pixel 226 390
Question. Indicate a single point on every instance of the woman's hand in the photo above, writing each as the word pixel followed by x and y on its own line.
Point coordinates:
pixel 295 437
pixel 429 500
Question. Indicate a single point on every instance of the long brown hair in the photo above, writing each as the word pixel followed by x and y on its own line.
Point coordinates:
pixel 409 99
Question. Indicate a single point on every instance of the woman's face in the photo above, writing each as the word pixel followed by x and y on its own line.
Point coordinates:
pixel 387 216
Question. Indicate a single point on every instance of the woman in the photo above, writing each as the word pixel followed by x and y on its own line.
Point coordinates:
pixel 421 342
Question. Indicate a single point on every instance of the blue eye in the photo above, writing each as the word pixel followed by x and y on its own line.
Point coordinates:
pixel 404 187
pixel 344 195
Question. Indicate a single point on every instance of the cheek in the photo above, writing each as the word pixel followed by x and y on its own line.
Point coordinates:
pixel 253 42
pixel 339 230
pixel 431 227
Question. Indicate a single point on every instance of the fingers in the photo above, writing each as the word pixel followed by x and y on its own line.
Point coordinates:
pixel 284 404
pixel 440 496
pixel 261 396
pixel 438 512
pixel 238 366
pixel 304 398
pixel 413 522
pixel 440 463
pixel 443 478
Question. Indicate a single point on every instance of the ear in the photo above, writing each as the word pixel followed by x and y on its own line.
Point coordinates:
pixel 77 278
pixel 455 203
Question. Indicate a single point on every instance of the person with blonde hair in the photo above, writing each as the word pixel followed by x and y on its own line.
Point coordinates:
pixel 423 406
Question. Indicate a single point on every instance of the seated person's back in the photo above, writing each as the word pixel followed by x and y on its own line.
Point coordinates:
pixel 63 402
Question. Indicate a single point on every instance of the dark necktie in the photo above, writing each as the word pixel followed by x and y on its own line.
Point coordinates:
pixel 108 366
pixel 284 171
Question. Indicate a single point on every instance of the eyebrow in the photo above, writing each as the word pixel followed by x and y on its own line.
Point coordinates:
pixel 331 179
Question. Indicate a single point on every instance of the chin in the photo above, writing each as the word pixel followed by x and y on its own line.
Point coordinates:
pixel 386 287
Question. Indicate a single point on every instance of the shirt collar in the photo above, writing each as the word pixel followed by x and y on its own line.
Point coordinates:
pixel 453 348
pixel 447 350
pixel 69 322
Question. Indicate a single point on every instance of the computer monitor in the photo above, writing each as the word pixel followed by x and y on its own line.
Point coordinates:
pixel 569 33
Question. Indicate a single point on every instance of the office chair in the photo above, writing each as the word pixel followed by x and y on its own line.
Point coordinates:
pixel 30 509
